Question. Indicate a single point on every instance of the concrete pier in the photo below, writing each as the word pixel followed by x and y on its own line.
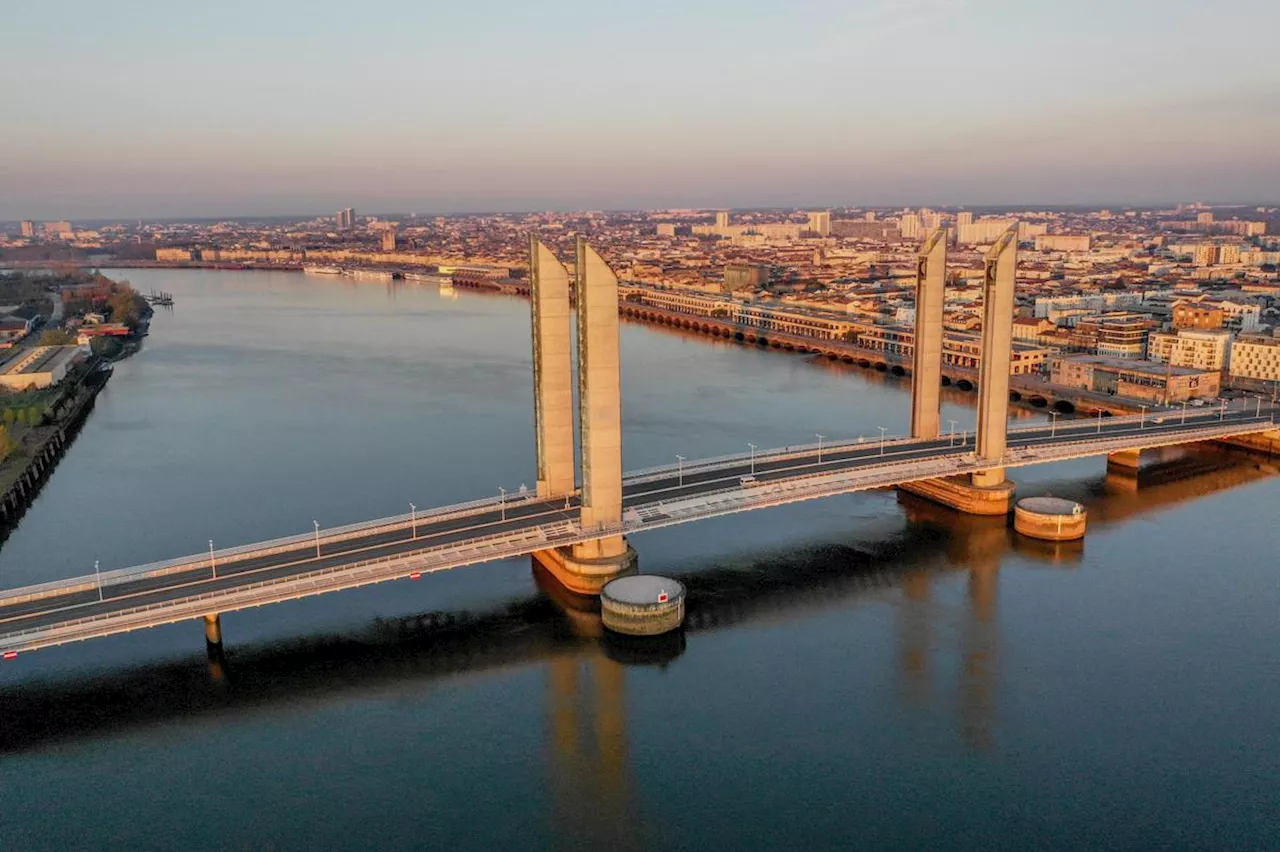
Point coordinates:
pixel 213 630
pixel 1050 518
pixel 552 371
pixel 584 574
pixel 644 605
pixel 997 347
pixel 926 370
pixel 1125 461
pixel 961 494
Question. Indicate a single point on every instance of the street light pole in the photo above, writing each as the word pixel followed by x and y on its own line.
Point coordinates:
pixel 882 431
pixel 753 458
pixel 316 524
pixel 1099 421
pixel 819 437
pixel 413 519
pixel 1184 412
pixel 1053 424
pixel 951 436
pixel 212 564
pixel 1222 411
pixel 98 577
pixel 679 470
pixel 1142 422
pixel 502 502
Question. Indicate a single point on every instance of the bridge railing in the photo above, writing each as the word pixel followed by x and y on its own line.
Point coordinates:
pixel 230 555
pixel 1080 430
pixel 771 454
pixel 731 498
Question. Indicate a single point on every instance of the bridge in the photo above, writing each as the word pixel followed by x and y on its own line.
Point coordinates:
pixel 576 523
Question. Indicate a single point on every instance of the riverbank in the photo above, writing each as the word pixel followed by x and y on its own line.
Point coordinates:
pixel 39 447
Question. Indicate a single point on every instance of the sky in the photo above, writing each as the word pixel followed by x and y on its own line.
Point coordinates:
pixel 149 108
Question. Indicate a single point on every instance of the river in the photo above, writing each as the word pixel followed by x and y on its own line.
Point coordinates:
pixel 859 672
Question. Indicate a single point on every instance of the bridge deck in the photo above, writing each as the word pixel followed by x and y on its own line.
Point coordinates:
pixel 481 531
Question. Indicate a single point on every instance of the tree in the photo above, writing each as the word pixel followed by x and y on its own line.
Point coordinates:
pixel 57 337
pixel 7 444
pixel 35 415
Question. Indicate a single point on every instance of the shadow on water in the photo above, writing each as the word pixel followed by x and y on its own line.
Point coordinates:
pixel 564 632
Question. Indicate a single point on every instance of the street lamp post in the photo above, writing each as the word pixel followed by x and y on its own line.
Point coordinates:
pixel 502 502
pixel 819 437
pixel 1099 421
pixel 882 431
pixel 951 436
pixel 1142 417
pixel 212 564
pixel 1184 412
pixel 1222 411
pixel 413 519
pixel 316 524
pixel 679 470
pixel 98 577
pixel 1257 412
pixel 1053 424
pixel 753 458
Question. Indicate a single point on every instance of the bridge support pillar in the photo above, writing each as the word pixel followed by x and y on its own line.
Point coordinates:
pixel 1125 461
pixel 964 495
pixel 585 569
pixel 213 630
pixel 926 369
pixel 997 353
pixel 552 371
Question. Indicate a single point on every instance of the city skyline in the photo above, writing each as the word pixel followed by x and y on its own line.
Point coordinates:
pixel 188 110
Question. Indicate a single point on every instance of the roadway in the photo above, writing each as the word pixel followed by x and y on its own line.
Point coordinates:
pixel 525 513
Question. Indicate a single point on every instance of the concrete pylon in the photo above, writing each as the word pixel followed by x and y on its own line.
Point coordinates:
pixel 585 568
pixel 552 370
pixel 997 347
pixel 926 369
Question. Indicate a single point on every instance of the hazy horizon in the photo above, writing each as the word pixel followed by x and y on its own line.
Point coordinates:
pixel 150 110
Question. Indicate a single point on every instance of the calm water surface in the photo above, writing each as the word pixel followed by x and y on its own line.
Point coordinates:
pixel 861 672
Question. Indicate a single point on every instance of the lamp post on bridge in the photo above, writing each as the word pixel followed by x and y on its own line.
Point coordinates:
pixel 98 577
pixel 951 436
pixel 882 431
pixel 1222 411
pixel 413 520
pixel 1099 421
pixel 1053 424
pixel 1257 412
pixel 679 470
pixel 502 502
pixel 1142 417
pixel 819 437
pixel 1184 412
pixel 753 458
pixel 316 524
pixel 212 565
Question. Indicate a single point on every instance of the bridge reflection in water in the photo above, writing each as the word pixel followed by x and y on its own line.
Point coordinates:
pixel 586 671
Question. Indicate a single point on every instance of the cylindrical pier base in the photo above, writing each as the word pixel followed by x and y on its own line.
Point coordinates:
pixel 1050 518
pixel 213 629
pixel 642 605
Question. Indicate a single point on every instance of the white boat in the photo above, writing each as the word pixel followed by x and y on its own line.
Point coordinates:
pixel 322 270
pixel 371 274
